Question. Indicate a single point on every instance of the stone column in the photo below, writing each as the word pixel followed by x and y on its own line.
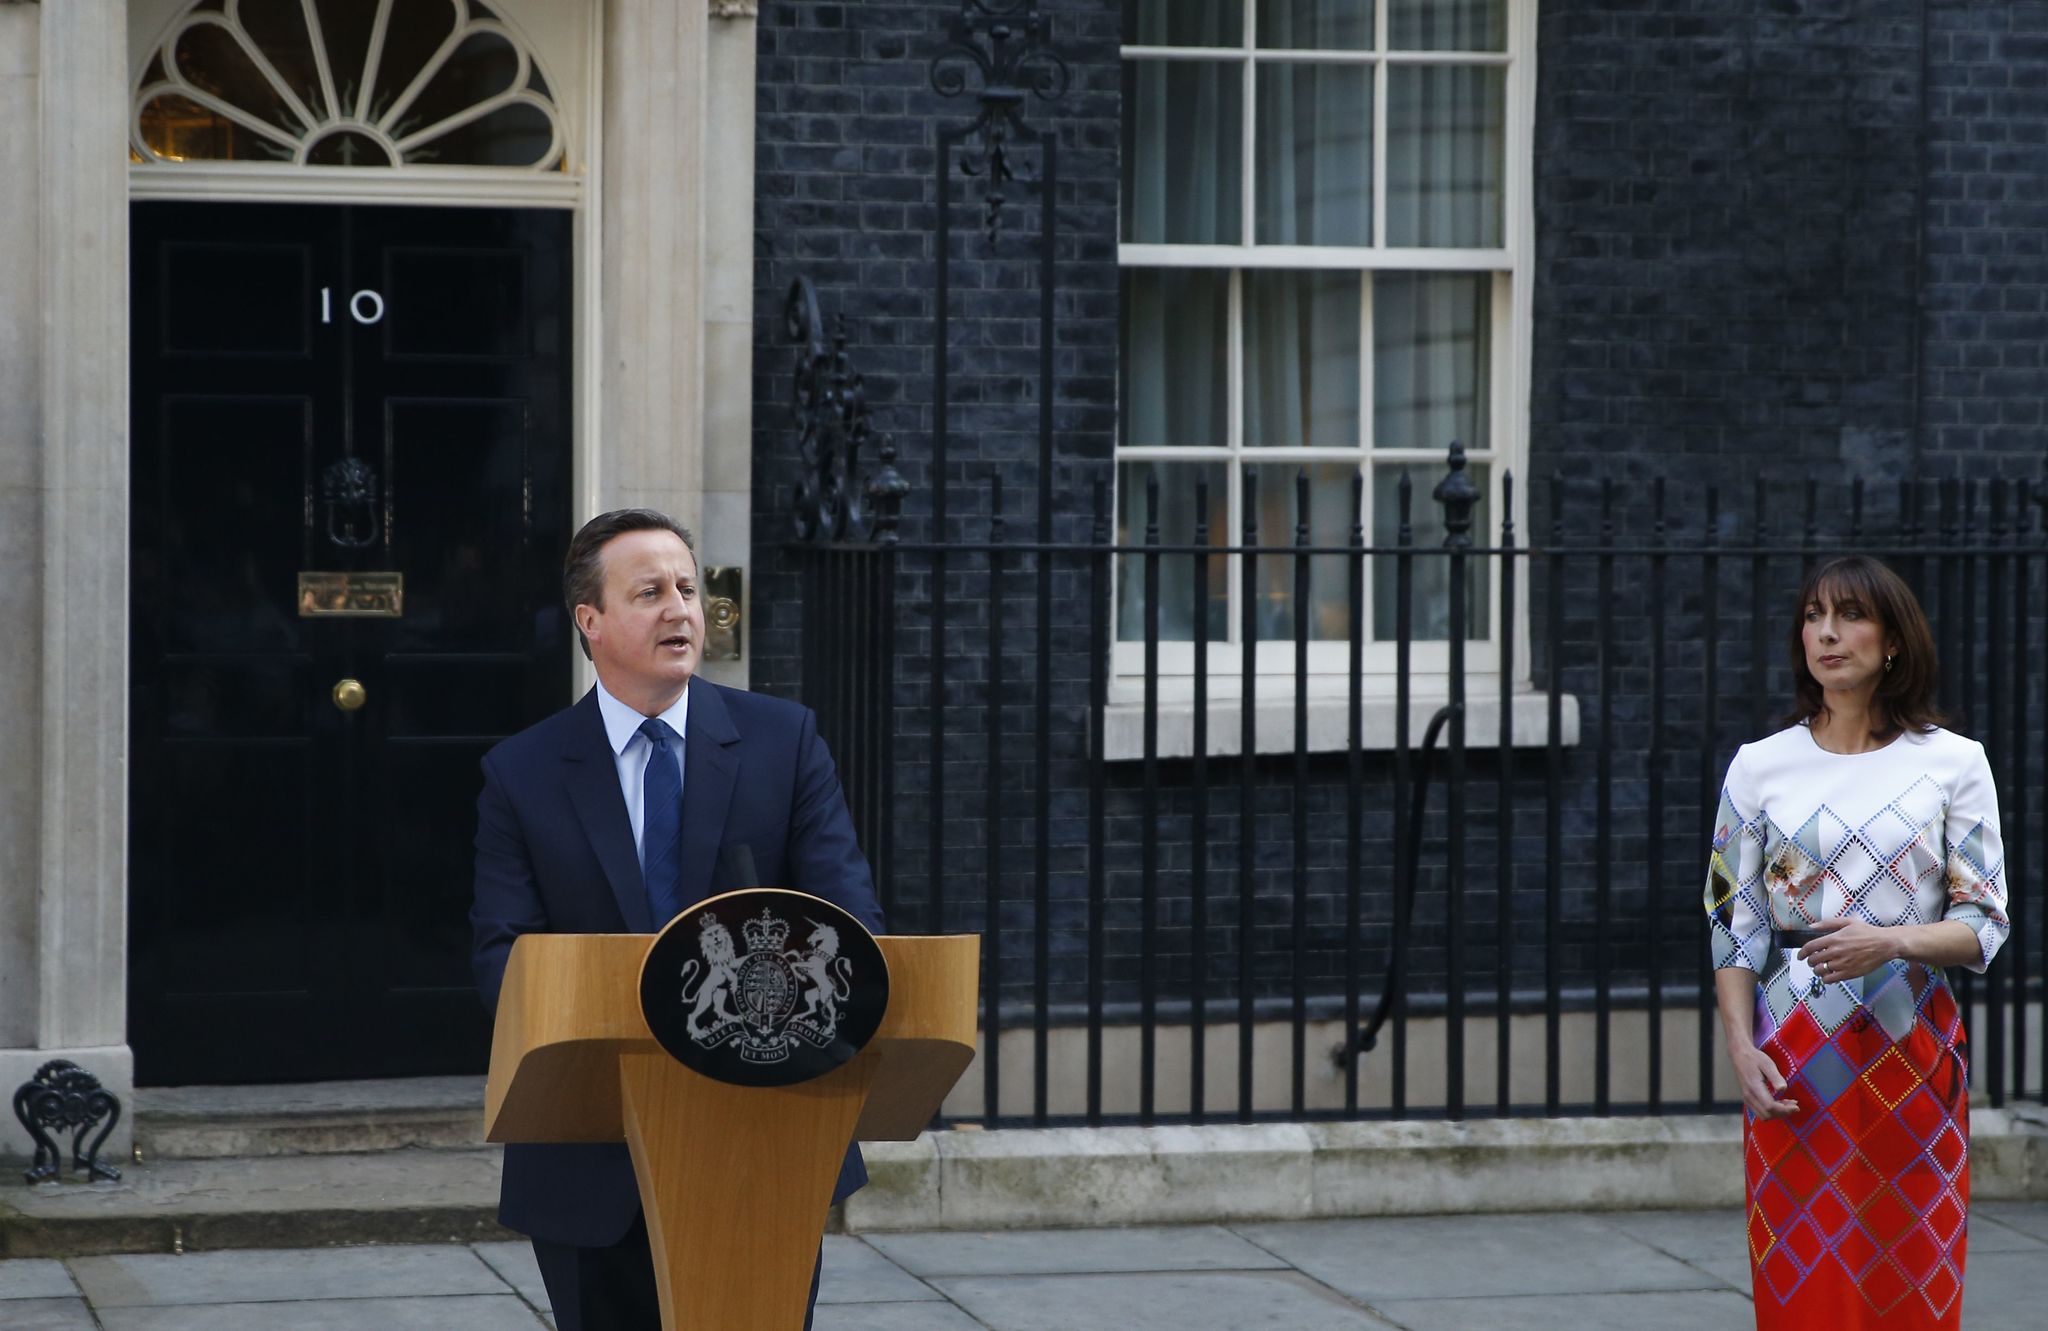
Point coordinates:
pixel 677 269
pixel 728 504
pixel 80 916
pixel 652 346
pixel 21 525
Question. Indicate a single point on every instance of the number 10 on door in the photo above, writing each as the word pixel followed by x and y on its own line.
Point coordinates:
pixel 365 307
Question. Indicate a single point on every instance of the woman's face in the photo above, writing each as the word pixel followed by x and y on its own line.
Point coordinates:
pixel 1845 643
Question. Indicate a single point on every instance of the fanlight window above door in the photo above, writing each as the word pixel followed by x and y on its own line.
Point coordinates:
pixel 363 83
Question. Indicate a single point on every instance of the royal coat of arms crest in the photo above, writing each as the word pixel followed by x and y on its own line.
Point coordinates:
pixel 764 987
pixel 766 999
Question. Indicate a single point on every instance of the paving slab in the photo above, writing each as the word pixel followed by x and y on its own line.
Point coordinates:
pixel 503 1312
pixel 856 1273
pixel 46 1315
pixel 1988 1233
pixel 36 1278
pixel 515 1265
pixel 2002 1289
pixel 1427 1257
pixel 940 1316
pixel 1690 1310
pixel 1073 1251
pixel 150 1280
pixel 1182 1300
pixel 1711 1241
pixel 2029 1218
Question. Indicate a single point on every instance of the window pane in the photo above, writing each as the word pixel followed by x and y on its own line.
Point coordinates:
pixel 1175 388
pixel 1430 586
pixel 1301 359
pixel 1183 22
pixel 1330 519
pixel 1432 359
pixel 1183 152
pixel 216 63
pixel 1177 511
pixel 1313 183
pixel 1444 127
pixel 1447 25
pixel 1315 25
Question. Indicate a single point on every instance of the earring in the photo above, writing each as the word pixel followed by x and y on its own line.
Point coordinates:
pixel 1888 661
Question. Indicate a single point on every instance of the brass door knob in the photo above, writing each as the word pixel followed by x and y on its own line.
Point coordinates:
pixel 349 695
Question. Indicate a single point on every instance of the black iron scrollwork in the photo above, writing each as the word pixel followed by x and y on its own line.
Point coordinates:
pixel 832 412
pixel 1007 44
pixel 63 1097
pixel 350 488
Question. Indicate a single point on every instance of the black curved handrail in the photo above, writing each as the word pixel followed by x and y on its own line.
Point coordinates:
pixel 1366 1038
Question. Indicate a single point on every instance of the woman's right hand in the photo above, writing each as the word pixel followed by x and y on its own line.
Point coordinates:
pixel 1762 1084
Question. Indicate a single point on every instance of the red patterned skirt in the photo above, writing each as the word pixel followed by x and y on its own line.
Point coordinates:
pixel 1858 1203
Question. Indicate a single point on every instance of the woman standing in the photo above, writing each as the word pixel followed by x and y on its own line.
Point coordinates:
pixel 1855 854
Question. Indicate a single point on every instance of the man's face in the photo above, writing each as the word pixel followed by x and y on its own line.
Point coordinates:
pixel 646 637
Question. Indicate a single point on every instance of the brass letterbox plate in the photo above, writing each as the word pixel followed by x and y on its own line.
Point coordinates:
pixel 353 595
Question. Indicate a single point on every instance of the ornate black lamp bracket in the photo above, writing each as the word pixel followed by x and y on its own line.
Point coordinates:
pixel 832 417
pixel 1004 50
pixel 63 1097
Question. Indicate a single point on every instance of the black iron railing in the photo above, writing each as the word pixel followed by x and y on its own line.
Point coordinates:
pixel 1352 918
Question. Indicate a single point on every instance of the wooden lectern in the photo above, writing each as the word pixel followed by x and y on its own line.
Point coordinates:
pixel 735 1180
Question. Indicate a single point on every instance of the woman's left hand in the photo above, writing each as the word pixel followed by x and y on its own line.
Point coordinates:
pixel 1852 949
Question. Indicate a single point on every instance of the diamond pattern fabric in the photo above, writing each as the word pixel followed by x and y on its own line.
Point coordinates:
pixel 1858 1203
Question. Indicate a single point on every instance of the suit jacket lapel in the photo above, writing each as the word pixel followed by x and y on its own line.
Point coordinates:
pixel 593 779
pixel 711 764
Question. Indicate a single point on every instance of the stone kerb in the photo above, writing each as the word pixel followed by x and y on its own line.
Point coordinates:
pixel 1057 1177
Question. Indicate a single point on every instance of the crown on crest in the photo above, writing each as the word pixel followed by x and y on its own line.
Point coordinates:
pixel 766 932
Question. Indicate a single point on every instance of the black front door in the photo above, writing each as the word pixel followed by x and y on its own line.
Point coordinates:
pixel 350 497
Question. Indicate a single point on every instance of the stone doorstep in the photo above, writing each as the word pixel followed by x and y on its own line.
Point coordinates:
pixel 1044 1178
pixel 310 1118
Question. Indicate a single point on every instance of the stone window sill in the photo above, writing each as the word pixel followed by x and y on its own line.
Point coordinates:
pixel 1329 720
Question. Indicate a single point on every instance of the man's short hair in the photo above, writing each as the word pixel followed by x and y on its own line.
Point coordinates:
pixel 583 566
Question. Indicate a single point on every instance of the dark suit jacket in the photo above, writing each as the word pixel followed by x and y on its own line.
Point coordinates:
pixel 555 854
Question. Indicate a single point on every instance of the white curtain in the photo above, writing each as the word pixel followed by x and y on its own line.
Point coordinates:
pixel 1447 25
pixel 1444 155
pixel 1183 164
pixel 1432 349
pixel 1301 359
pixel 1175 336
pixel 1178 508
pixel 1183 126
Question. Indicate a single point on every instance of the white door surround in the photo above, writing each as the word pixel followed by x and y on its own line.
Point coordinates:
pixel 665 227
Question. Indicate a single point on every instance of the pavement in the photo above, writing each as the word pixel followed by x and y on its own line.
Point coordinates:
pixel 1548 1271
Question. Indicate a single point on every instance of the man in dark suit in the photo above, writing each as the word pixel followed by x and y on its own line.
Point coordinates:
pixel 653 792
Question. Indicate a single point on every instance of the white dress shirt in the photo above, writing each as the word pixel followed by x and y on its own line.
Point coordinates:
pixel 630 750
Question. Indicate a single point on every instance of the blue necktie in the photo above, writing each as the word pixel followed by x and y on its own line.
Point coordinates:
pixel 661 823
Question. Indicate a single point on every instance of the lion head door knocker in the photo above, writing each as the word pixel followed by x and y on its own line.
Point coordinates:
pixel 350 489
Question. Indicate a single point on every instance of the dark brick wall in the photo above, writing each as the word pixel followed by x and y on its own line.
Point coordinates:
pixel 1986 266
pixel 1801 235
pixel 1787 240
pixel 1726 195
pixel 848 129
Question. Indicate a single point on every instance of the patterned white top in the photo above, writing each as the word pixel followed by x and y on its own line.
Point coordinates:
pixel 1905 834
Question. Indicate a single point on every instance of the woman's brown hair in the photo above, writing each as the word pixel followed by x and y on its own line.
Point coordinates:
pixel 1905 693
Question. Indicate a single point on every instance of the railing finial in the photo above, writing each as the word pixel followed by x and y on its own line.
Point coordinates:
pixel 1458 495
